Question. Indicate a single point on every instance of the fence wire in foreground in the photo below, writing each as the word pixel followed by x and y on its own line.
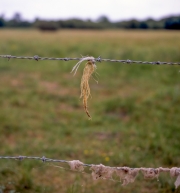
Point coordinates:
pixel 99 59
pixel 126 174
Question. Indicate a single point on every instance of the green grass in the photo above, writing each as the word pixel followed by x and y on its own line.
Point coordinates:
pixel 135 109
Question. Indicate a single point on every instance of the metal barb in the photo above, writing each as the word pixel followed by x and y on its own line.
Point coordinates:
pixel 98 59
pixel 21 158
pixel 36 57
pixel 43 159
pixel 128 61
pixel 8 57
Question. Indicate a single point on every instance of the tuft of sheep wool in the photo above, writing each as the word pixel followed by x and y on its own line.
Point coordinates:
pixel 126 174
pixel 76 165
pixel 177 182
pixel 101 171
pixel 175 172
pixel 150 173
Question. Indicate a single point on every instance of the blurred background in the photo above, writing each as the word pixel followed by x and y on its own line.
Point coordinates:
pixel 134 108
pixel 54 15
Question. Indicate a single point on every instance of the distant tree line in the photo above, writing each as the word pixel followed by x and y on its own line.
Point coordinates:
pixel 103 22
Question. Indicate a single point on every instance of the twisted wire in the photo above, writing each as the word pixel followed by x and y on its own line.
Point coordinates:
pixel 99 59
pixel 127 175
pixel 44 159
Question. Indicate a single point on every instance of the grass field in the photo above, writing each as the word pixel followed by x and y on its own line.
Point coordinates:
pixel 134 108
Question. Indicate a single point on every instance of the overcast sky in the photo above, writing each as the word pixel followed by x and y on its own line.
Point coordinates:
pixel 90 9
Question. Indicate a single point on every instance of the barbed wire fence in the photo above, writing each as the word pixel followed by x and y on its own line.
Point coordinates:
pixel 99 59
pixel 126 174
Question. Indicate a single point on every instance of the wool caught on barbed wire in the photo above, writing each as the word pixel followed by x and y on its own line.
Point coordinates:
pixel 101 171
pixel 89 69
pixel 127 175
pixel 150 173
pixel 76 165
pixel 175 172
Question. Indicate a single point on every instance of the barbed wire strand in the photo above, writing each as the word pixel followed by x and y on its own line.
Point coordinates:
pixel 127 175
pixel 44 159
pixel 99 59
